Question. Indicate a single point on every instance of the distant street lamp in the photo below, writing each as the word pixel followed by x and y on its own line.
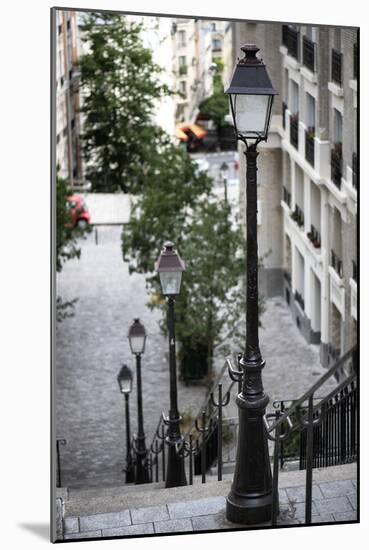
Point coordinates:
pixel 250 499
pixel 125 385
pixel 137 339
pixel 223 170
pixel 170 268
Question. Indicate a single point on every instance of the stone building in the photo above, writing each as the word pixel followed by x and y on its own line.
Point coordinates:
pixel 68 146
pixel 308 178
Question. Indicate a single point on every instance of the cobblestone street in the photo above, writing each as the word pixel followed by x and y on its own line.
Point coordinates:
pixel 91 346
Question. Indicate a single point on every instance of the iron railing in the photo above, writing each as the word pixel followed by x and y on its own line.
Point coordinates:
pixel 336 263
pixel 294 130
pixel 336 67
pixel 291 39
pixel 59 442
pixel 308 53
pixel 336 166
pixel 354 270
pixel 309 145
pixel 298 216
pixel 284 108
pixel 314 236
pixel 286 195
pixel 303 414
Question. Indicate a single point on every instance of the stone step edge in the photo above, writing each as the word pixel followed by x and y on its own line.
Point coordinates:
pixel 117 503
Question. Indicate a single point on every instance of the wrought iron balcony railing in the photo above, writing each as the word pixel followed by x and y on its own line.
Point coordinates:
pixel 298 216
pixel 299 299
pixel 336 165
pixel 284 107
pixel 294 130
pixel 286 196
pixel 336 73
pixel 291 39
pixel 308 53
pixel 354 270
pixel 354 170
pixel 309 145
pixel 314 237
pixel 336 263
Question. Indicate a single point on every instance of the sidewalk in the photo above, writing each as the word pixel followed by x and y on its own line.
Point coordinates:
pixel 202 507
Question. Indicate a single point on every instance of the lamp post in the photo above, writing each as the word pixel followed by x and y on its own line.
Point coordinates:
pixel 170 268
pixel 125 385
pixel 137 339
pixel 223 170
pixel 250 499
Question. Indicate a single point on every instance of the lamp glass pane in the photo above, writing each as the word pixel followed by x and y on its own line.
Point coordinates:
pixel 251 113
pixel 125 385
pixel 137 343
pixel 170 282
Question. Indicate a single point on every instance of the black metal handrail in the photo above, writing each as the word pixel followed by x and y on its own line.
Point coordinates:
pixel 336 263
pixel 336 166
pixel 294 130
pixel 309 145
pixel 308 53
pixel 286 195
pixel 314 236
pixel 336 72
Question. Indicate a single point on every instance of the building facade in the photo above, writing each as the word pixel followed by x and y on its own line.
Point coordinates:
pixel 308 179
pixel 68 146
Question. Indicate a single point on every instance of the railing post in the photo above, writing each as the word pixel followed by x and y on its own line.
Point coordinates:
pixel 191 460
pixel 220 406
pixel 203 431
pixel 309 462
pixel 275 500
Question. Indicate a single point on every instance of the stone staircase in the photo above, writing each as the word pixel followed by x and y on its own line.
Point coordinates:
pixel 131 510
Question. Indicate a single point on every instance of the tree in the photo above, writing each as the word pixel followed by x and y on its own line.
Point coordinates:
pixel 211 301
pixel 216 107
pixel 120 84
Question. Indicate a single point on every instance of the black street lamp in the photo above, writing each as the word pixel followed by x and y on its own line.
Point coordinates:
pixel 125 385
pixel 250 499
pixel 223 170
pixel 137 339
pixel 170 268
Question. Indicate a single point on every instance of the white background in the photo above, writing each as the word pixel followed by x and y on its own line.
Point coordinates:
pixel 25 268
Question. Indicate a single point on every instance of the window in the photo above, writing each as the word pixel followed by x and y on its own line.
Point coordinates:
pixel 57 138
pixel 217 44
pixel 68 25
pixel 337 126
pixel 59 29
pixel 73 123
pixel 182 60
pixel 182 38
pixel 183 87
pixel 62 81
pixel 70 74
pixel 213 26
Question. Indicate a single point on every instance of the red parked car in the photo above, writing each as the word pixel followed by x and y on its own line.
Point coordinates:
pixel 78 212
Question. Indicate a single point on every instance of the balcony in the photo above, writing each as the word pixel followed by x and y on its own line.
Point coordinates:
pixel 291 39
pixel 354 170
pixel 286 196
pixel 336 263
pixel 299 299
pixel 309 145
pixel 336 164
pixel 308 54
pixel 336 67
pixel 298 216
pixel 294 130
pixel 314 237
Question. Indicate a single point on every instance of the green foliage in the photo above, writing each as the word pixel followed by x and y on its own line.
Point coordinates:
pixel 66 235
pixel 216 107
pixel 178 205
pixel 120 85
